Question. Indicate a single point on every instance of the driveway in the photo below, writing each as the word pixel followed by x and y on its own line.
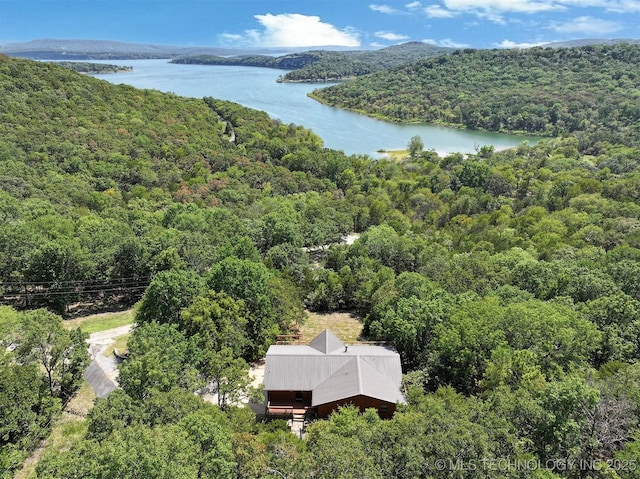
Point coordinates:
pixel 102 373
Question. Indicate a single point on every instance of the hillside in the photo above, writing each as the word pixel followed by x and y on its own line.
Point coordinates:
pixel 583 42
pixel 80 150
pixel 94 68
pixel 508 282
pixel 323 65
pixel 541 91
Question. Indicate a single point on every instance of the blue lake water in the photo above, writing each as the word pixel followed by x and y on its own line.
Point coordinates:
pixel 341 130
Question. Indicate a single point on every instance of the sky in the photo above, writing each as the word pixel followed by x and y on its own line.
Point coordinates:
pixel 357 24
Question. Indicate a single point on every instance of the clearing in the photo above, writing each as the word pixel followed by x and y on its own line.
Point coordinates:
pixel 347 326
pixel 101 322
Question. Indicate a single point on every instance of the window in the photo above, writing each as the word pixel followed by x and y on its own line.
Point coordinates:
pixel 383 409
pixel 298 396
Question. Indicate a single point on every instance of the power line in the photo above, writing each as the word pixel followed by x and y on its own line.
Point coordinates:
pixel 127 281
pixel 13 292
pixel 79 285
pixel 74 281
pixel 70 292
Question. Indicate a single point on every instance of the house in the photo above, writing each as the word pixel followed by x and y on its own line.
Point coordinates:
pixel 313 380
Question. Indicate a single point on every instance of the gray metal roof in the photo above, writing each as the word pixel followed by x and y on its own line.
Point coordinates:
pixel 305 368
pixel 326 342
pixel 356 378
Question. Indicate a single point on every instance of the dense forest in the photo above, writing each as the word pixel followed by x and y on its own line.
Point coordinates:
pixel 508 281
pixel 324 65
pixel 547 91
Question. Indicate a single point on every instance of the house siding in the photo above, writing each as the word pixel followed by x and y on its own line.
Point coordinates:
pixel 361 402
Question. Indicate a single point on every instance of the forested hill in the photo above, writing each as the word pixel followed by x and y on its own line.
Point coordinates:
pixel 509 283
pixel 94 68
pixel 86 167
pixel 538 91
pixel 324 65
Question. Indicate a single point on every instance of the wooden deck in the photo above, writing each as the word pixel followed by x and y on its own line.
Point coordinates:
pixel 287 409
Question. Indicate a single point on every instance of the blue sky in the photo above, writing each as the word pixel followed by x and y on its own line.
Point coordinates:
pixel 306 23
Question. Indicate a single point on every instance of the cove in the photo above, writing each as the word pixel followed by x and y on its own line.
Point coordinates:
pixel 288 102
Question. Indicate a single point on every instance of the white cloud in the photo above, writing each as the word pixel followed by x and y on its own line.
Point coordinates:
pixel 627 6
pixel 587 25
pixel 293 30
pixel 512 44
pixel 491 10
pixel 383 9
pixel 445 42
pixel 231 37
pixel 436 11
pixel 496 10
pixel 519 6
pixel 392 37
pixel 616 6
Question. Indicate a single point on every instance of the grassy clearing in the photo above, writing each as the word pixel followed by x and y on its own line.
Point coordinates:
pixel 120 344
pixel 346 326
pixel 82 402
pixel 101 322
pixel 67 429
pixel 395 155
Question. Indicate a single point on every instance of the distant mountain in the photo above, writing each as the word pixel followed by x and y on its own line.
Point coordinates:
pixel 325 65
pixel 55 49
pixel 590 41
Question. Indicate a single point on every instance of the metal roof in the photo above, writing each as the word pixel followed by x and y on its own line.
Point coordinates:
pixel 326 342
pixel 305 368
pixel 356 378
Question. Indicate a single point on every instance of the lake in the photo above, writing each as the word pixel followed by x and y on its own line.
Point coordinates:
pixel 288 102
